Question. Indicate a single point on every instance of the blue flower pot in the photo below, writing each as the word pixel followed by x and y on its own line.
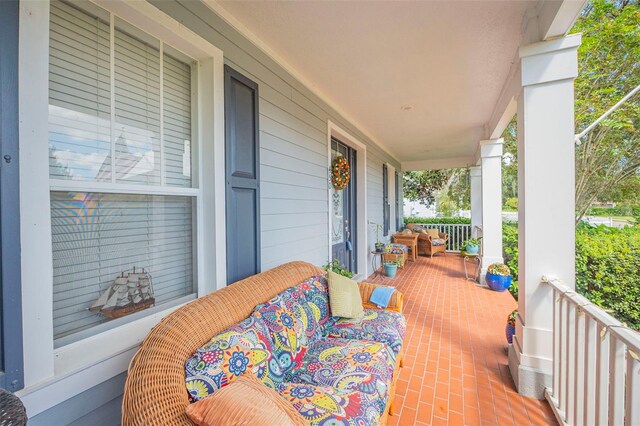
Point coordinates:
pixel 498 282
pixel 473 249
pixel 390 269
pixel 510 331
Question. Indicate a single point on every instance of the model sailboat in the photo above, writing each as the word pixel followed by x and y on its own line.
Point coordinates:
pixel 130 292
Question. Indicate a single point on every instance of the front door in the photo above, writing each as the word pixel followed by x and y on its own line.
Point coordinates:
pixel 343 211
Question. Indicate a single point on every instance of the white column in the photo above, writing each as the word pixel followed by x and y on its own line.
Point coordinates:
pixel 476 200
pixel 546 179
pixel 491 168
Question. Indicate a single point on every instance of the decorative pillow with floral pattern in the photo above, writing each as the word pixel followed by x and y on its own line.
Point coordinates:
pixel 243 348
pixel 316 291
pixel 287 320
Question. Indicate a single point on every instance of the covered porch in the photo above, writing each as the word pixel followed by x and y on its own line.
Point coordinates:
pixel 403 86
pixel 456 368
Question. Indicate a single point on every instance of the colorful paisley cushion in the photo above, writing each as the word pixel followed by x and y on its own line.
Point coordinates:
pixel 286 320
pixel 325 405
pixel 316 291
pixel 378 325
pixel 245 347
pixel 349 366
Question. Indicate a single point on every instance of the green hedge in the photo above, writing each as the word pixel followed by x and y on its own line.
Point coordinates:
pixel 607 267
pixel 445 220
pixel 608 270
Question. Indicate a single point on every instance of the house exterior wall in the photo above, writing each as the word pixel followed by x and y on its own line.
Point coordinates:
pixel 294 169
pixel 293 138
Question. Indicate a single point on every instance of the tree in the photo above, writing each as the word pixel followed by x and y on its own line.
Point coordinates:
pixel 609 67
pixel 422 186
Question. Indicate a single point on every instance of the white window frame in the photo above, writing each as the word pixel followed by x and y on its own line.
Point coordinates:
pixel 54 375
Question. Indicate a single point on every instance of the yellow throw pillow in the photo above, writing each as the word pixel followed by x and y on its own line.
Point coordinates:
pixel 245 401
pixel 433 233
pixel 344 297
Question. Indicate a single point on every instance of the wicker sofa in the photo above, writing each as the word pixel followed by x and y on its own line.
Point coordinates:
pixel 155 390
pixel 426 244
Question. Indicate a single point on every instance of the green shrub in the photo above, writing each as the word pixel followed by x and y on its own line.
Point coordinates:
pixel 511 204
pixel 607 267
pixel 607 270
pixel 446 220
pixel 510 253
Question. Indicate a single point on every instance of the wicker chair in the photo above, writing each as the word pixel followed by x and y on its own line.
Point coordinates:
pixel 430 249
pixel 425 243
pixel 395 253
pixel 12 411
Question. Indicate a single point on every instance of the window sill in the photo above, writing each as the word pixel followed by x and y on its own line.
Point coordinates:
pixel 92 350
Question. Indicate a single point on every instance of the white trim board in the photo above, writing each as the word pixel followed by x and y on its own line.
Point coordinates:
pixel 333 130
pixel 52 376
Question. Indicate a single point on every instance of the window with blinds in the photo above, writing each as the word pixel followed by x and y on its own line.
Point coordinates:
pixel 119 134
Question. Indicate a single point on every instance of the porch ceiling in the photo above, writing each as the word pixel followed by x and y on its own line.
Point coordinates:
pixel 449 60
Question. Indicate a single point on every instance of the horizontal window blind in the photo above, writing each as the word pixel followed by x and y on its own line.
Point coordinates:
pixel 137 110
pixel 177 121
pixel 79 95
pixel 98 236
pixel 119 114
pixel 151 95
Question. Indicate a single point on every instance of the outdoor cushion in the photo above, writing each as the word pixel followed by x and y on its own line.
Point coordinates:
pixel 282 317
pixel 438 241
pixel 433 233
pixel 316 292
pixel 396 248
pixel 378 325
pixel 344 296
pixel 244 347
pixel 349 365
pixel 416 229
pixel 326 405
pixel 246 401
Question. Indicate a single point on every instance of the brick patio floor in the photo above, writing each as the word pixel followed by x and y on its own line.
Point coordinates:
pixel 456 369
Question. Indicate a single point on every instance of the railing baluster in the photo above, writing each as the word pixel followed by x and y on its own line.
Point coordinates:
pixel 557 324
pixel 616 381
pixel 579 363
pixel 562 389
pixel 571 365
pixel 590 342
pixel 632 406
pixel 602 377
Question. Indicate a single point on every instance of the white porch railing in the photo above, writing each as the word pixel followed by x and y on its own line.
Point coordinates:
pixel 458 233
pixel 596 363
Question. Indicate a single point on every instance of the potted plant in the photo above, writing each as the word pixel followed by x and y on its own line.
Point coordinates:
pixel 472 245
pixel 338 268
pixel 498 277
pixel 379 245
pixel 510 329
pixel 391 268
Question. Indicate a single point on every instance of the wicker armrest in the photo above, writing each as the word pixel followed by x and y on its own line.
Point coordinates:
pixel 444 236
pixel 395 304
